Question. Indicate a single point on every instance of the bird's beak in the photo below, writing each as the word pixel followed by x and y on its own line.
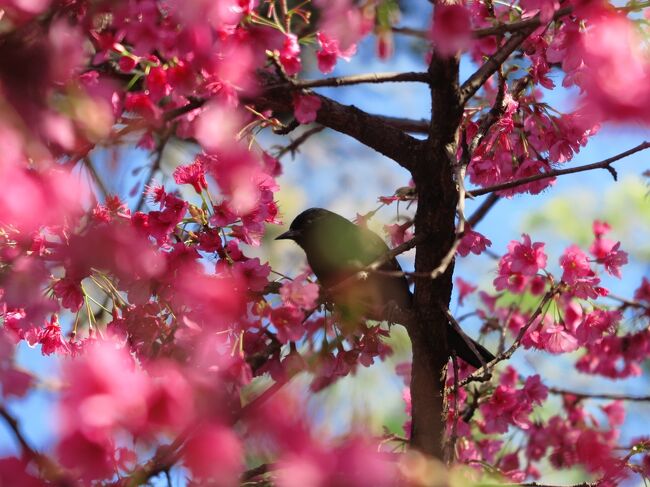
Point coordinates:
pixel 288 235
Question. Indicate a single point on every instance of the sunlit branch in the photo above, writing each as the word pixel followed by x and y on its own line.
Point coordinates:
pixel 476 80
pixel 450 452
pixel 604 164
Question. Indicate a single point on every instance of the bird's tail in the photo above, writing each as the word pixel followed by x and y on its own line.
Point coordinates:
pixel 465 352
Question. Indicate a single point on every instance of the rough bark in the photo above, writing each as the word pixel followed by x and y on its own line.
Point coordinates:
pixel 437 198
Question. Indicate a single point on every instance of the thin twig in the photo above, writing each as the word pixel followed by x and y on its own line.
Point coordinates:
pixel 518 25
pixel 12 422
pixel 599 395
pixel 499 29
pixel 482 374
pixel 537 484
pixel 164 458
pixel 374 267
pixel 604 164
pixel 155 166
pixel 193 104
pixel 88 163
pixel 407 31
pixel 301 139
pixel 50 470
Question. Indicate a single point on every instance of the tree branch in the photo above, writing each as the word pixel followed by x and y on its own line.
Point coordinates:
pixel 406 124
pixel 292 148
pixel 12 422
pixel 353 80
pixel 476 80
pixel 501 29
pixel 368 129
pixel 482 210
pixel 407 31
pixel 599 395
pixel 482 374
pixel 49 469
pixel 604 164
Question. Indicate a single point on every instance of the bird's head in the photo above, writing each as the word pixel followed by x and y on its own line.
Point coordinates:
pixel 305 224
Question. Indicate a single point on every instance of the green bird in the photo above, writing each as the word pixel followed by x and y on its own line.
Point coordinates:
pixel 337 249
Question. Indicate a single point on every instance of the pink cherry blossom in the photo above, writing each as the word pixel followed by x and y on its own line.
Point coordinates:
pixel 473 242
pixel 613 57
pixel 643 291
pixel 608 254
pixel 290 55
pixel 330 51
pixel 50 338
pixel 214 452
pixel 555 339
pixel 299 292
pixel 399 233
pixel 527 258
pixel 575 265
pixel 464 289
pixel 306 107
pixel 193 174
pixel 70 293
pixel 451 29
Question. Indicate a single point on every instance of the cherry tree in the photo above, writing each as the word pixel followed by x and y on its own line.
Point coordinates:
pixel 164 327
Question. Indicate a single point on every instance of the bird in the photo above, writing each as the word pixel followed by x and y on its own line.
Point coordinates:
pixel 337 249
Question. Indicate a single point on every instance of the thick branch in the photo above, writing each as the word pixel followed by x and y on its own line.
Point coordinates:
pixel 370 130
pixel 604 164
pixel 433 174
pixel 406 124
